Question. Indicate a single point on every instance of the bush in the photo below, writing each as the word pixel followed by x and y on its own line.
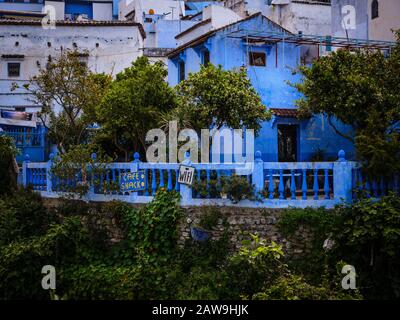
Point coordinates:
pixel 22 215
pixel 319 223
pixel 368 237
pixel 153 228
pixel 237 188
pixel 8 176
pixel 256 265
pixel 21 262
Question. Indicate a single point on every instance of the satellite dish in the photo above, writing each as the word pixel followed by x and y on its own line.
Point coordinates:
pixel 151 11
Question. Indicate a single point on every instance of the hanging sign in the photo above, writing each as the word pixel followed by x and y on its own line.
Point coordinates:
pixel 186 175
pixel 133 181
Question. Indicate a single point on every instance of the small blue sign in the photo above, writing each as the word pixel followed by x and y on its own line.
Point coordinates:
pixel 133 181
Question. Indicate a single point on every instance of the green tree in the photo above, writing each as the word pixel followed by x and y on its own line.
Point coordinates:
pixel 68 93
pixel 133 105
pixel 8 166
pixel 361 89
pixel 214 97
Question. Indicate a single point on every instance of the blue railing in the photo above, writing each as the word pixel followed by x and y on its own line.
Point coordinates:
pixel 277 184
pixel 24 136
pixel 28 141
pixel 373 187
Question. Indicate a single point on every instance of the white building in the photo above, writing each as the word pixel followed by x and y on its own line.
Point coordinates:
pixel 366 19
pixel 311 17
pixel 25 47
pixel 384 16
pixel 140 10
pixel 213 17
pixel 59 9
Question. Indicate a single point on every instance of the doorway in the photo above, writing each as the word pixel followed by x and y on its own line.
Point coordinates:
pixel 287 143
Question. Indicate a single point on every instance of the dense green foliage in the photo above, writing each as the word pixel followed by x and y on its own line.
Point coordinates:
pixel 361 89
pixel 145 264
pixel 68 83
pixel 8 176
pixel 84 162
pixel 134 104
pixel 365 235
pixel 213 98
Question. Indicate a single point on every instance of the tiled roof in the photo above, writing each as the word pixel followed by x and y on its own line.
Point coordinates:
pixel 286 113
pixel 86 23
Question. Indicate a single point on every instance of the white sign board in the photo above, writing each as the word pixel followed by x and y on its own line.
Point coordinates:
pixel 186 175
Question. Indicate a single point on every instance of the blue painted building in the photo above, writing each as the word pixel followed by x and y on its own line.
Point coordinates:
pixel 27 132
pixel 270 64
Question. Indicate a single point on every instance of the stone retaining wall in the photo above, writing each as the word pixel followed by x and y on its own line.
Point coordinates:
pixel 239 222
pixel 242 221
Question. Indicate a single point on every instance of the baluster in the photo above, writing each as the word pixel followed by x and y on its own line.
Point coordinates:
pixel 39 179
pixel 119 179
pixel 24 137
pixel 396 184
pixel 43 180
pixel 292 184
pixel 315 186
pixel 281 186
pixel 177 188
pixel 354 182
pixel 153 182
pixel 114 182
pixel 326 184
pixel 33 171
pixel 360 180
pixel 101 189
pixel 375 188
pixel 107 187
pixel 146 179
pixel 219 187
pixel 37 170
pixel 368 187
pixel 161 178
pixel 198 195
pixel 169 187
pixel 208 183
pixel 383 187
pixel 304 185
pixel 271 184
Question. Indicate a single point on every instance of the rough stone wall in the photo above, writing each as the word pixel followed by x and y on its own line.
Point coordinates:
pixel 240 222
pixel 244 221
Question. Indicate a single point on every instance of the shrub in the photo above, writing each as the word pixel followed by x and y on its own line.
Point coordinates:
pixel 237 188
pixel 368 237
pixel 21 262
pixel 153 228
pixel 8 176
pixel 319 223
pixel 256 265
pixel 22 215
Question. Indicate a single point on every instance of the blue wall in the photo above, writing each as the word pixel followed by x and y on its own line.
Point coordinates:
pixel 79 8
pixel 270 83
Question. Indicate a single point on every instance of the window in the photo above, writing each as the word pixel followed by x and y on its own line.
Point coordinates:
pixel 374 9
pixel 13 69
pixel 257 59
pixel 206 57
pixel 181 70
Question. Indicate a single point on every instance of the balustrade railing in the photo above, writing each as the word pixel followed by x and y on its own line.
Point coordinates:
pixel 276 184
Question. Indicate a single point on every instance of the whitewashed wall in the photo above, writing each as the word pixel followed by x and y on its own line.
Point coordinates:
pixel 111 49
